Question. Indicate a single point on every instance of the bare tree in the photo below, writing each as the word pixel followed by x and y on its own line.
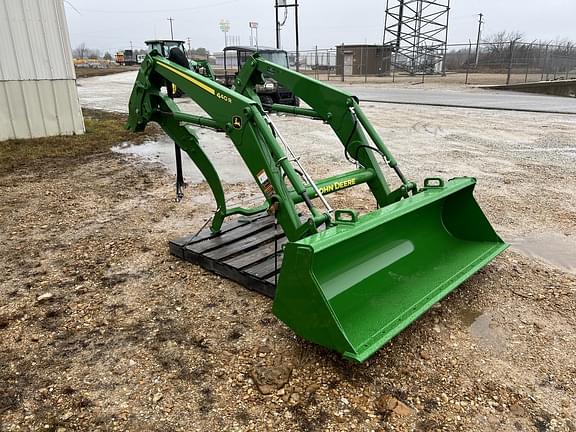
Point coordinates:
pixel 499 42
pixel 497 48
pixel 80 51
pixel 201 53
pixel 92 53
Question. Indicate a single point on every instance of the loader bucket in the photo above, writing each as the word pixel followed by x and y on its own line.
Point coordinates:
pixel 355 286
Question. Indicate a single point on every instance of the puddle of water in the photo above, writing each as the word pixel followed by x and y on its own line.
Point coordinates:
pixel 555 249
pixel 226 160
pixel 468 316
pixel 485 332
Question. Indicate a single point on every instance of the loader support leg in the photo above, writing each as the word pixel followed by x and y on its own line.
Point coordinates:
pixel 186 140
pixel 179 174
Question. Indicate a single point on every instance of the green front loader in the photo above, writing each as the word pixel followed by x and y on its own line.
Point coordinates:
pixel 348 282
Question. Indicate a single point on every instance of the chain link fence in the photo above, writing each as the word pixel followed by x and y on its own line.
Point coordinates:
pixel 487 64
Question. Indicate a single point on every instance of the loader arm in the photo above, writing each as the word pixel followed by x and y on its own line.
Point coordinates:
pixel 242 120
pixel 338 109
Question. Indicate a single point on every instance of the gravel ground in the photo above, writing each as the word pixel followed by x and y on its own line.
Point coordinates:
pixel 103 330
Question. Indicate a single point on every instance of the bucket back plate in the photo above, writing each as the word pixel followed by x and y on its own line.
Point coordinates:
pixel 354 287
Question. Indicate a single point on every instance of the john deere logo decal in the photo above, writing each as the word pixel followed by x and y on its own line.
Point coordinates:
pixel 237 122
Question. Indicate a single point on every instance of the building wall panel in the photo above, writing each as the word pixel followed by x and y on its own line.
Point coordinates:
pixel 35 40
pixel 35 109
pixel 38 95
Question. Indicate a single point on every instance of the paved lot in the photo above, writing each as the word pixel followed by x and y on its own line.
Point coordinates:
pixel 112 92
pixel 470 98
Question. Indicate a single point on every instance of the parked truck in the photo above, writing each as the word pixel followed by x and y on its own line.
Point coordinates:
pixel 126 58
pixel 270 92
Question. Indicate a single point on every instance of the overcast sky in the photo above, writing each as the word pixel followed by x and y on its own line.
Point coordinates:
pixel 110 25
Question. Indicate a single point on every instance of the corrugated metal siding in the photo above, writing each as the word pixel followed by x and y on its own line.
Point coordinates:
pixel 38 95
pixel 35 42
pixel 34 109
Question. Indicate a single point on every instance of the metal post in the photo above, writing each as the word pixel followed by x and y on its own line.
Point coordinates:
pixel 365 68
pixel 361 62
pixel 394 65
pixel 468 61
pixel 297 38
pixel 417 52
pixel 316 72
pixel 424 71
pixel 343 59
pixel 446 42
pixel 383 64
pixel 329 65
pixel 327 53
pixel 510 62
pixel 545 63
pixel 528 58
pixel 385 23
pixel 178 154
pixel 400 22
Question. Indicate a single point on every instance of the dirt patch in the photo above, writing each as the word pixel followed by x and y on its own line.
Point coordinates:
pixel 103 130
pixel 131 338
pixel 93 72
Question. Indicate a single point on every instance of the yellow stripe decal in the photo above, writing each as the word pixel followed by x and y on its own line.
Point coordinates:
pixel 189 78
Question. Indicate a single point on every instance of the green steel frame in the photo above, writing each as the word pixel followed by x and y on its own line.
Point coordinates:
pixel 358 282
pixel 238 113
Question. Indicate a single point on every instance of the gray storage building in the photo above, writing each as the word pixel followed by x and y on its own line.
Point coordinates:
pixel 38 95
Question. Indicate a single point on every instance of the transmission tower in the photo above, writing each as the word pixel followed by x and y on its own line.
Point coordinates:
pixel 417 31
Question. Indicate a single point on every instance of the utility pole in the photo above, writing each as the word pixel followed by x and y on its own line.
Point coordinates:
pixel 297 37
pixel 131 46
pixel 277 26
pixel 189 46
pixel 171 28
pixel 480 22
pixel 283 4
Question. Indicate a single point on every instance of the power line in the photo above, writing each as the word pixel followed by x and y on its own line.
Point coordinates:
pixel 139 11
pixel 72 6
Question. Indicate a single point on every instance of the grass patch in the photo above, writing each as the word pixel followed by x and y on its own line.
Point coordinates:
pixel 103 131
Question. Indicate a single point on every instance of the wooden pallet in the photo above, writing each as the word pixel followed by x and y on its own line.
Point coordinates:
pixel 247 251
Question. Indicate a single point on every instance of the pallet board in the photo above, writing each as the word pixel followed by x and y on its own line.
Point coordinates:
pixel 246 250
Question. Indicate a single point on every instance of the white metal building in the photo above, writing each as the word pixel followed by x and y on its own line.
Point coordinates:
pixel 38 95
